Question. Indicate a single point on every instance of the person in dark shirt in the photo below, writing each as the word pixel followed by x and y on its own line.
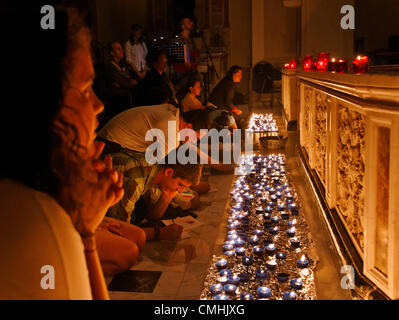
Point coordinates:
pixel 121 82
pixel 155 88
pixel 222 95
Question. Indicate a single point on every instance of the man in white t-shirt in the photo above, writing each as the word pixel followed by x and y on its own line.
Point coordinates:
pixel 130 128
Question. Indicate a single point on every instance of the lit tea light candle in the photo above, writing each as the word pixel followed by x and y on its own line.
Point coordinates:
pixel 254 240
pixel 264 292
pixel 258 232
pixel 281 255
pixel 292 223
pixel 273 230
pixel 247 261
pixel 296 284
pixel 221 264
pixel 271 264
pixel 302 263
pixel 246 296
pixel 225 273
pixel 275 219
pixel 222 280
pixel 240 251
pixel 221 297
pixel 289 196
pixel 234 279
pixel 291 232
pixel 270 248
pixel 261 274
pixel 291 295
pixel 230 289
pixel 229 253
pixel 282 277
pixel 232 237
pixel 295 242
pixel 258 250
pixel 280 206
pixel 216 288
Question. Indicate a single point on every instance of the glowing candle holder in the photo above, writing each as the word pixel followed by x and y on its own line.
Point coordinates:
pixel 221 264
pixel 257 251
pixel 360 64
pixel 246 296
pixel 239 242
pixel 341 66
pixel 295 242
pixel 273 230
pixel 322 62
pixel 280 207
pixel 292 223
pixel 225 273
pixel 275 219
pixel 254 240
pixel 230 289
pixel 258 232
pixel 261 274
pixel 247 261
pixel 240 251
pixel 281 256
pixel 302 263
pixel 291 232
pixel 264 292
pixel 221 297
pixel 270 248
pixel 216 289
pixel 222 280
pixel 229 253
pixel 290 295
pixel 234 279
pixel 296 284
pixel 308 63
pixel 232 237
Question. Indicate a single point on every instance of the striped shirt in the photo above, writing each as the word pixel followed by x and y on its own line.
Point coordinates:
pixel 137 178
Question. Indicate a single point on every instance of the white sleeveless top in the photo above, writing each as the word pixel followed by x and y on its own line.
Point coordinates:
pixel 35 231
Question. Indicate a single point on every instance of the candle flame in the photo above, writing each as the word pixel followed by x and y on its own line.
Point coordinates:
pixel 303 258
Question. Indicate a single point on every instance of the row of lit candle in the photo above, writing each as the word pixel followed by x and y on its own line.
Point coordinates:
pixel 324 63
pixel 262 123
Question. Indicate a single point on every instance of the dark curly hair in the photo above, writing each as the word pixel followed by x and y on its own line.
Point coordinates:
pixel 35 149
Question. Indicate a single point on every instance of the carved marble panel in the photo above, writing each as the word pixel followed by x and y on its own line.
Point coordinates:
pixel 308 94
pixel 351 127
pixel 321 109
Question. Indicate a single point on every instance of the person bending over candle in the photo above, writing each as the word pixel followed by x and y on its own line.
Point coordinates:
pixel 54 191
pixel 222 96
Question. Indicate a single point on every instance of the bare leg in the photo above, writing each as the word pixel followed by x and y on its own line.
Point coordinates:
pixel 116 253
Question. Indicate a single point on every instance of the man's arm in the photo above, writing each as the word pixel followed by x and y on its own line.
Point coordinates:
pixel 156 211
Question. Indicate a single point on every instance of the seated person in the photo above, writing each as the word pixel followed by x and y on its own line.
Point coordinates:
pixel 129 128
pixel 191 91
pixel 155 79
pixel 222 96
pixel 139 177
pixel 121 81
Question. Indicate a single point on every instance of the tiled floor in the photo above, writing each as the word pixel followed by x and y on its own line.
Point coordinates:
pixel 184 263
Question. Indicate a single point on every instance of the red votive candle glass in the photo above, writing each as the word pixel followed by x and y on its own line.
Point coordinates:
pixel 308 63
pixel 291 65
pixel 360 64
pixel 322 62
pixel 341 66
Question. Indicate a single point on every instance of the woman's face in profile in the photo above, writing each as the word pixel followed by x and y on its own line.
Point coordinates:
pixel 196 89
pixel 81 106
pixel 237 76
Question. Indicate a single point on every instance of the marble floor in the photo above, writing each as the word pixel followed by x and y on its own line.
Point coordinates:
pixel 180 267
